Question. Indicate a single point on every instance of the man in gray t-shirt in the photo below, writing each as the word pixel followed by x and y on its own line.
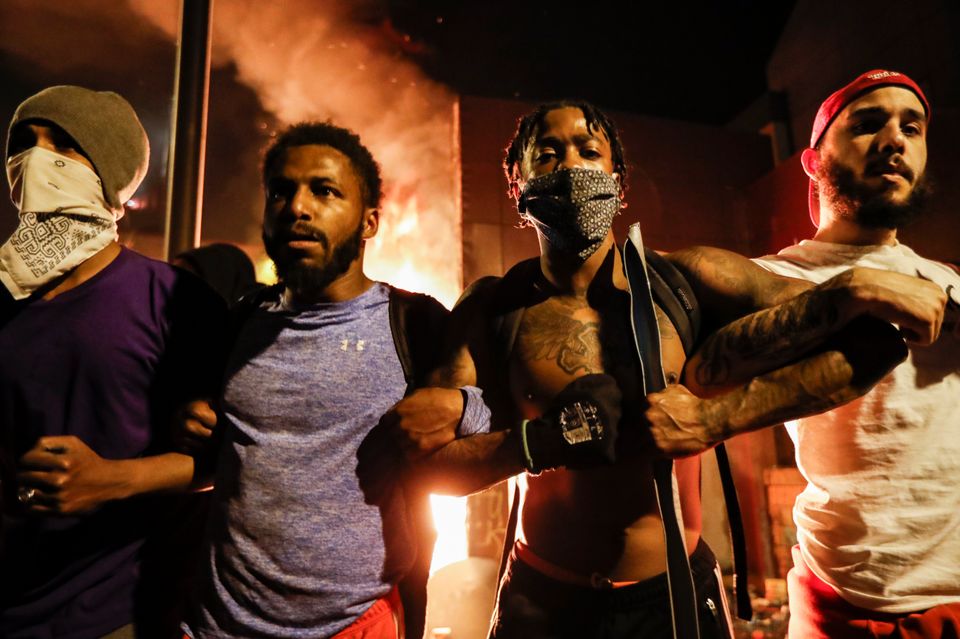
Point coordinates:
pixel 293 547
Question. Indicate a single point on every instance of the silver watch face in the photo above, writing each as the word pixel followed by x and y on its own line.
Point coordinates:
pixel 580 422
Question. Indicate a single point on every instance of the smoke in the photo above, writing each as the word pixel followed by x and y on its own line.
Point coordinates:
pixel 310 60
pixel 65 38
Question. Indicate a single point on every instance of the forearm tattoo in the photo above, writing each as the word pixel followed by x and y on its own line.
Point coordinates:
pixel 808 387
pixel 767 338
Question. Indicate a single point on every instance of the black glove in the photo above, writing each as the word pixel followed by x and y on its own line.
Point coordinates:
pixel 579 429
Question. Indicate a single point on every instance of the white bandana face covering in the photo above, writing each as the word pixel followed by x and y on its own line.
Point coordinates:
pixel 64 219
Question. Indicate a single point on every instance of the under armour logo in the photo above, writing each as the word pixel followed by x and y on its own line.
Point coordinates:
pixel 358 346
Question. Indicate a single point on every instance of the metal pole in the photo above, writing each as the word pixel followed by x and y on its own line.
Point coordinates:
pixel 188 129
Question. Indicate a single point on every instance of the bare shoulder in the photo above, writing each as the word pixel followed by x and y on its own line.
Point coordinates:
pixel 477 296
pixel 729 285
pixel 466 335
pixel 471 314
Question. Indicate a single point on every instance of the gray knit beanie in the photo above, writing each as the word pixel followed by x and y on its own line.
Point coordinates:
pixel 104 125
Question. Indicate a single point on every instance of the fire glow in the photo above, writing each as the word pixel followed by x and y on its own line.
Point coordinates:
pixel 399 253
pixel 320 61
pixel 450 518
pixel 317 61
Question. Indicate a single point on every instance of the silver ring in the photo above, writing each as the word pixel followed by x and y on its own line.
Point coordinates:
pixel 25 495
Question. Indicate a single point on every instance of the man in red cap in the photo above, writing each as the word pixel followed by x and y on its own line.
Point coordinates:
pixel 879 522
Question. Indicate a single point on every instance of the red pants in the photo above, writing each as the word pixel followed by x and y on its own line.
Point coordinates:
pixel 818 612
pixel 383 620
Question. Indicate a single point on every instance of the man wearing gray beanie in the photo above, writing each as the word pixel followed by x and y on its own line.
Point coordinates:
pixel 98 345
pixel 103 134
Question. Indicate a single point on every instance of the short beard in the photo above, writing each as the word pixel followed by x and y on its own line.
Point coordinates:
pixel 308 283
pixel 868 208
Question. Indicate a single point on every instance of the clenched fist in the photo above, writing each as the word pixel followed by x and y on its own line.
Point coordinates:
pixel 915 305
pixel 425 420
pixel 62 475
pixel 677 422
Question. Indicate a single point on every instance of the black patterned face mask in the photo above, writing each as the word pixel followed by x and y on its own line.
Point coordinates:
pixel 573 208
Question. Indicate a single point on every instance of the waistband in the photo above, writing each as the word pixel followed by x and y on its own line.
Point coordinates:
pixel 702 563
pixel 558 573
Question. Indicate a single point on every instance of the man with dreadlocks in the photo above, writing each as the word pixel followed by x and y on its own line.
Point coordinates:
pixel 569 413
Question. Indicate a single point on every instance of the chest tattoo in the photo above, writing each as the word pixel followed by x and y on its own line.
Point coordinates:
pixel 576 337
pixel 551 332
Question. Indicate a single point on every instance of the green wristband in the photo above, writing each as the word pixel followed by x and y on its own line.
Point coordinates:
pixel 527 457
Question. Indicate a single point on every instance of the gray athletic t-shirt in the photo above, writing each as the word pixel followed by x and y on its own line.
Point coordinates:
pixel 293 549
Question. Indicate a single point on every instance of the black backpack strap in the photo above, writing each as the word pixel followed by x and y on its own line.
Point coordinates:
pixel 510 533
pixel 237 316
pixel 508 298
pixel 675 296
pixel 239 312
pixel 417 323
pixel 515 291
pixel 738 538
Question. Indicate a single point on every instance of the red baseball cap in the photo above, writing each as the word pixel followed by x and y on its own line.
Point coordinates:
pixel 865 83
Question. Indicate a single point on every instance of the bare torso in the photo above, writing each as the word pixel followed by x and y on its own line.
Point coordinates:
pixel 602 520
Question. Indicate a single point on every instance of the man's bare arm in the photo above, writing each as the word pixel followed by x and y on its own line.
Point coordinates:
pixel 425 422
pixel 846 368
pixel 729 284
pixel 817 348
pixel 470 464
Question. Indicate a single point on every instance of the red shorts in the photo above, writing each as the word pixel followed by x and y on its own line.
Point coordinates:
pixel 818 612
pixel 383 620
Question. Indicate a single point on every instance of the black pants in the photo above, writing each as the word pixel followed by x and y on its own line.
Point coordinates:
pixel 533 606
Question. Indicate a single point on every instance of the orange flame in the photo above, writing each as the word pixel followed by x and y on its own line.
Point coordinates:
pixel 404 253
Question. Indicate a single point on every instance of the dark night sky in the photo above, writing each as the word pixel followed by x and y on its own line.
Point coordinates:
pixel 696 61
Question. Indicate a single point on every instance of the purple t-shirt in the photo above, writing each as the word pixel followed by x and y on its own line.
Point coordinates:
pixel 107 362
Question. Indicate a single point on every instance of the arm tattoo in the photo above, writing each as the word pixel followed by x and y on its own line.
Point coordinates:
pixel 715 271
pixel 808 387
pixel 730 286
pixel 766 339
